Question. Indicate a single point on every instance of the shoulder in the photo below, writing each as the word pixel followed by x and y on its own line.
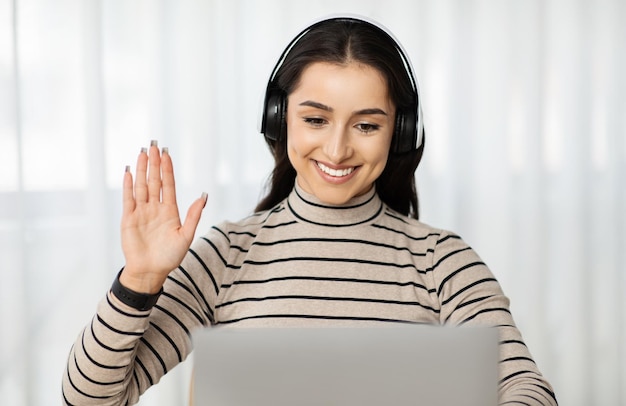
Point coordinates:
pixel 398 222
pixel 441 242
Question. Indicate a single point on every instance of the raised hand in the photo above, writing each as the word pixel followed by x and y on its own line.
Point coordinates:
pixel 153 239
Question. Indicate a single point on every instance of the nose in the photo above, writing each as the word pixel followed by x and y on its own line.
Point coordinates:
pixel 337 146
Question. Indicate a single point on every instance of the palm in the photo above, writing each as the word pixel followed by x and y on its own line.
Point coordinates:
pixel 151 236
pixel 153 239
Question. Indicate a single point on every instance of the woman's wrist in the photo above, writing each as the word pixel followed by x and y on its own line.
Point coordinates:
pixel 141 296
pixel 140 282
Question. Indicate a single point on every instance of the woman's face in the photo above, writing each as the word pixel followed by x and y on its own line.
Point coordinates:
pixel 340 121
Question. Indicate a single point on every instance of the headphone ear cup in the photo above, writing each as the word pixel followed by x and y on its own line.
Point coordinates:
pixel 404 134
pixel 274 124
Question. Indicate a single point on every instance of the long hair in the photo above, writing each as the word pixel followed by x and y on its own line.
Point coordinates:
pixel 342 41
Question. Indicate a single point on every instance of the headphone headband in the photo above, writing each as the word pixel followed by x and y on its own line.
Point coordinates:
pixel 408 131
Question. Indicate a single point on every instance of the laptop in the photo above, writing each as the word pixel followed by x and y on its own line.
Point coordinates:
pixel 364 366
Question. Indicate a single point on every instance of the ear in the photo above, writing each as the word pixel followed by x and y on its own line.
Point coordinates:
pixel 273 124
pixel 404 133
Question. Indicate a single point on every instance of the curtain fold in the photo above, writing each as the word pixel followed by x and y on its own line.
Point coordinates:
pixel 524 106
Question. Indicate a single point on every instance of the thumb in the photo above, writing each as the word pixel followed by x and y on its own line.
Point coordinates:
pixel 193 217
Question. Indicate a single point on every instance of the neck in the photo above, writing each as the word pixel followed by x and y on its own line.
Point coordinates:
pixel 358 210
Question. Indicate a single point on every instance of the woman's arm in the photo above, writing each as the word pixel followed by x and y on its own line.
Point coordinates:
pixel 470 295
pixel 124 350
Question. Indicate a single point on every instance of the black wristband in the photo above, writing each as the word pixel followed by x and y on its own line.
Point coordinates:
pixel 139 301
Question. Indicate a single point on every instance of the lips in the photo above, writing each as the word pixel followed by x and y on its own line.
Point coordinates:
pixel 337 173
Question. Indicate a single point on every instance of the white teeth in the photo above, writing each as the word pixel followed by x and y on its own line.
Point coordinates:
pixel 335 172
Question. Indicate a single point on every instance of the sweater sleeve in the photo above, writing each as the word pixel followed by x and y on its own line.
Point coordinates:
pixel 123 351
pixel 470 295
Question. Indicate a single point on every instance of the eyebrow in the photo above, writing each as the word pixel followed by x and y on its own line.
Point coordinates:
pixel 317 105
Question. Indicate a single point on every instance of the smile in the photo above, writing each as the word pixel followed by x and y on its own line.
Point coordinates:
pixel 338 173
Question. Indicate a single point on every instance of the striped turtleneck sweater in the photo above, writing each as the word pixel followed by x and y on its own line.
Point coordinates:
pixel 301 263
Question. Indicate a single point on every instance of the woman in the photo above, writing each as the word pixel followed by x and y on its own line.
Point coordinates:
pixel 335 241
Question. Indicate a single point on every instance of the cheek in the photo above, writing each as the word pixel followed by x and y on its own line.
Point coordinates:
pixel 299 144
pixel 297 149
pixel 380 166
pixel 292 153
pixel 378 152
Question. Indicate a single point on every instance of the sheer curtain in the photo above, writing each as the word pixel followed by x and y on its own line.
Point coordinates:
pixel 526 157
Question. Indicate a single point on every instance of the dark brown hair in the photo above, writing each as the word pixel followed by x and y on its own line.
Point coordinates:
pixel 342 41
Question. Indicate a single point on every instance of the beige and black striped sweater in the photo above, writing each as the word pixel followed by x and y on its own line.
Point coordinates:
pixel 300 264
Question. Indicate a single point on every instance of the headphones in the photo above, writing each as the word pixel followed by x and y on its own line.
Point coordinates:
pixel 408 129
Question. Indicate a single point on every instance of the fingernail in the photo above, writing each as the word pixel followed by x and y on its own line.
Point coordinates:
pixel 127 169
pixel 205 197
pixel 154 143
pixel 144 150
pixel 165 150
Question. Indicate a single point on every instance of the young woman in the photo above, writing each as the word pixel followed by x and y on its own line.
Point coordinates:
pixel 336 241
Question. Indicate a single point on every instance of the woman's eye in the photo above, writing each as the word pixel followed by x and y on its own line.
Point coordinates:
pixel 315 121
pixel 367 127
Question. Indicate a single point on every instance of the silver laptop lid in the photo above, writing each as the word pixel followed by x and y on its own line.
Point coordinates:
pixel 400 365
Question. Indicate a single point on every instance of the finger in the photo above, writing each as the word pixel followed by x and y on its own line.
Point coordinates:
pixel 193 217
pixel 154 173
pixel 141 188
pixel 128 200
pixel 167 172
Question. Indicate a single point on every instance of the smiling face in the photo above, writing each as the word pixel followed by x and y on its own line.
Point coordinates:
pixel 340 121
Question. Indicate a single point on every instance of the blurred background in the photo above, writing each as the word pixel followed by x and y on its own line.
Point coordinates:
pixel 525 115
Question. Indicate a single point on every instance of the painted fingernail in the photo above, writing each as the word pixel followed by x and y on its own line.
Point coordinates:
pixel 154 143
pixel 127 169
pixel 165 150
pixel 144 150
pixel 204 196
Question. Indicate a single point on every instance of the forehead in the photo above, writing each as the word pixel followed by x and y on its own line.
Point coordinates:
pixel 325 79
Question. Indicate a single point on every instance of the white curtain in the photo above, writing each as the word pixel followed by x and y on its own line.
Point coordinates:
pixel 525 113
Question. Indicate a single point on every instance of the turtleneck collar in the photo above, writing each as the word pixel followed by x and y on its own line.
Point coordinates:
pixel 308 208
